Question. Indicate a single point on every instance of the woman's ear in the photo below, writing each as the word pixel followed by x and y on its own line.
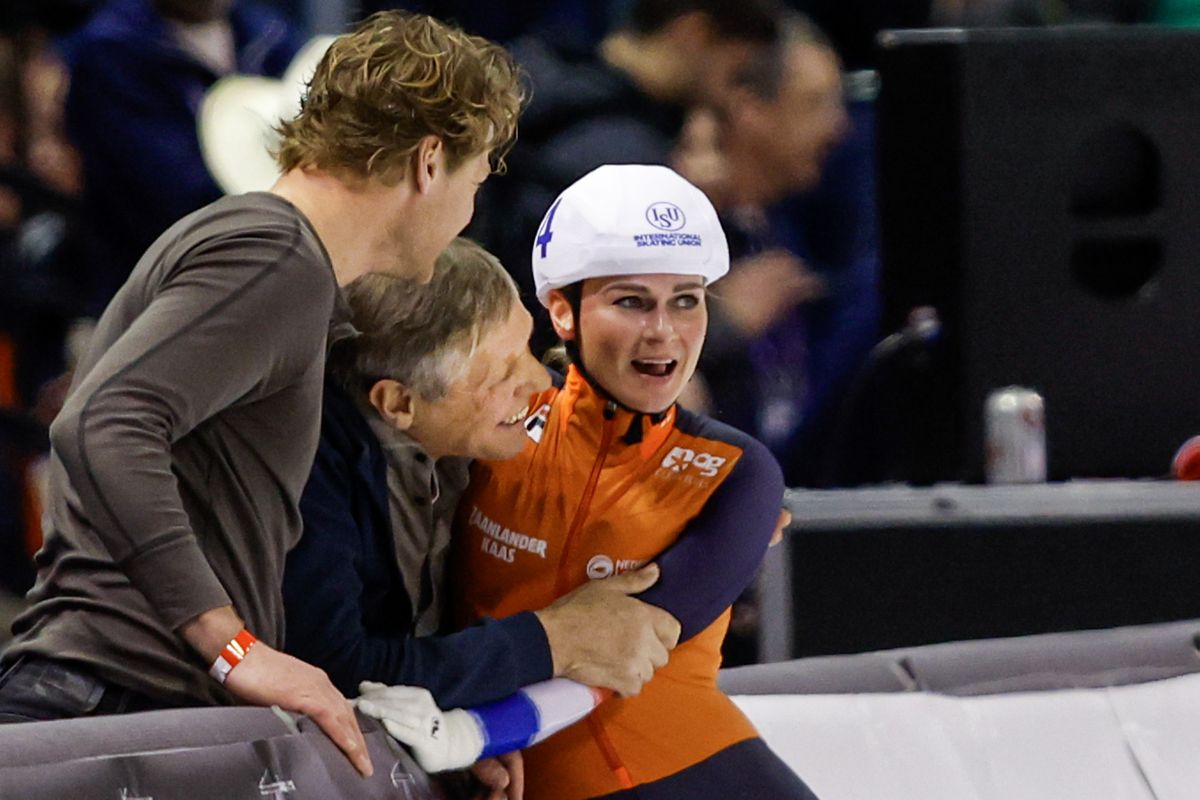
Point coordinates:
pixel 394 402
pixel 562 315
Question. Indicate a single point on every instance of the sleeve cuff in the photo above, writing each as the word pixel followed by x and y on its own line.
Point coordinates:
pixel 177 580
pixel 533 662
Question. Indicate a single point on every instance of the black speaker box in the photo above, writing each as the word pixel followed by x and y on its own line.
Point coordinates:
pixel 1040 189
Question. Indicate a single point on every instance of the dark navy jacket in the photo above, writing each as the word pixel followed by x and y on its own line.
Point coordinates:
pixel 131 111
pixel 347 609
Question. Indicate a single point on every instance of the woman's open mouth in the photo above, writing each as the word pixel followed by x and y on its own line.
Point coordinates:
pixel 655 367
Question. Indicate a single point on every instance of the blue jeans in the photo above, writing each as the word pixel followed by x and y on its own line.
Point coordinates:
pixel 38 689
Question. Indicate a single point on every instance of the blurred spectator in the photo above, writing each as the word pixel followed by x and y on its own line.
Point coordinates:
pixel 42 243
pixel 41 249
pixel 584 22
pixel 48 154
pixel 781 124
pixel 839 227
pixel 798 311
pixel 139 69
pixel 622 104
pixel 763 161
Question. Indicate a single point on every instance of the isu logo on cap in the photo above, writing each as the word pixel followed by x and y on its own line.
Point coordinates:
pixel 666 216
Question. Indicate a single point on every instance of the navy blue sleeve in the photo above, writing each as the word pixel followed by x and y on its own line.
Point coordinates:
pixel 324 601
pixel 716 556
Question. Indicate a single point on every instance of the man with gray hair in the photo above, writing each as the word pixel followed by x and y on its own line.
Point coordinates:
pixel 439 374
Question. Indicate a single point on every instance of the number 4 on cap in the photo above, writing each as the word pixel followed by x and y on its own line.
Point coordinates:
pixel 544 235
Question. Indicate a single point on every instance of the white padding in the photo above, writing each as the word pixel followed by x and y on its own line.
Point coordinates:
pixel 862 746
pixel 1161 722
pixel 1138 742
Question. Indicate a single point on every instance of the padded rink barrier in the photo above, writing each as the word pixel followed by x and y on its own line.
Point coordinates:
pixel 1096 715
pixel 195 754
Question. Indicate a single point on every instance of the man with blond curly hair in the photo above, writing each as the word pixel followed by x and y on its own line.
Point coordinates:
pixel 179 457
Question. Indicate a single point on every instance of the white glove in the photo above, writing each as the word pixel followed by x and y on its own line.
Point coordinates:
pixel 440 740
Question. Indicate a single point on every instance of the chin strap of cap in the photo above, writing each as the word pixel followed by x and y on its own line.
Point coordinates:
pixel 636 430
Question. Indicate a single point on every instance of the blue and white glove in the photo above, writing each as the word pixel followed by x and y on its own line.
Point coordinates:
pixel 440 740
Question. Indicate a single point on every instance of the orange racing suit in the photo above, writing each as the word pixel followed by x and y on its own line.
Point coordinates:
pixel 599 490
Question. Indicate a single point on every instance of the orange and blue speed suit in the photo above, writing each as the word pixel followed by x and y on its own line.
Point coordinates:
pixel 596 491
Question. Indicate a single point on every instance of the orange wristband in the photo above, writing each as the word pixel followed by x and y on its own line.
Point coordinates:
pixel 232 655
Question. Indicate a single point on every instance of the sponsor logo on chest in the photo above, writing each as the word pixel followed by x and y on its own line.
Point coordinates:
pixel 690 466
pixel 601 566
pixel 503 543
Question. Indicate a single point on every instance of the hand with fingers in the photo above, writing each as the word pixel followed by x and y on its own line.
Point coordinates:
pixel 761 288
pixel 781 525
pixel 602 637
pixel 268 677
pixel 500 778
pixel 440 740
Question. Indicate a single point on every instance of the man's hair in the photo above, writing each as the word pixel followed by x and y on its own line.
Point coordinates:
pixel 397 78
pixel 739 20
pixel 764 72
pixel 423 335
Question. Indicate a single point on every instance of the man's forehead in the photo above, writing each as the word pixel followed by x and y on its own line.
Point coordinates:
pixel 502 340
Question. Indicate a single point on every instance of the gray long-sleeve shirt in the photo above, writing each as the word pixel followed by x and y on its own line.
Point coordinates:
pixel 180 455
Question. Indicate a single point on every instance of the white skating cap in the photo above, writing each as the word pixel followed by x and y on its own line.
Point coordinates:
pixel 628 219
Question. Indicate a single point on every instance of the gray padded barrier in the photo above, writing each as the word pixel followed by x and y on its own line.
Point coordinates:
pixel 1077 660
pixel 191 754
pixel 1080 659
pixel 864 672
